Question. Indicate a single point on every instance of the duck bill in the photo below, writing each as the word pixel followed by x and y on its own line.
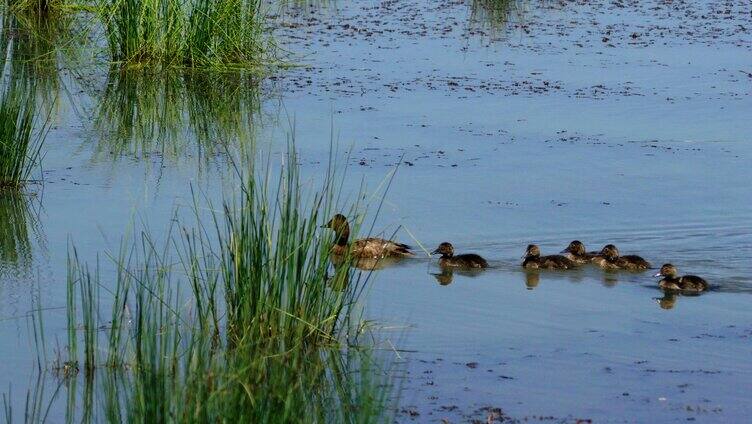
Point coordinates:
pixel 435 252
pixel 658 275
pixel 565 251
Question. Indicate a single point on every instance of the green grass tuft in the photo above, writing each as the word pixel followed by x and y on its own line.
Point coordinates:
pixel 234 319
pixel 193 33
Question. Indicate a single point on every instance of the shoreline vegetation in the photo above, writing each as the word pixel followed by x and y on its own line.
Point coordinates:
pixel 164 34
pixel 140 40
pixel 234 318
pixel 219 34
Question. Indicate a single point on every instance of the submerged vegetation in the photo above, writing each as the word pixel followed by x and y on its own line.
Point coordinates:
pixel 237 319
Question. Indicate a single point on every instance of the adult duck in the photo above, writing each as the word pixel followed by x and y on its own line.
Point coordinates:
pixel 371 247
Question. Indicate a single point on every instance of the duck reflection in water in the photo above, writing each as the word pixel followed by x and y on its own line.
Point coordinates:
pixel 532 279
pixel 446 276
pixel 610 278
pixel 667 301
pixel 364 264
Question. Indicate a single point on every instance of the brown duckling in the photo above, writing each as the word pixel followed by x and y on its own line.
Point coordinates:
pixel 466 260
pixel 372 247
pixel 609 258
pixel 533 260
pixel 687 283
pixel 576 253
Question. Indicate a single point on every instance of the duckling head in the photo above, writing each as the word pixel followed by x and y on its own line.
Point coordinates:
pixel 667 270
pixel 445 249
pixel 575 247
pixel 610 252
pixel 532 251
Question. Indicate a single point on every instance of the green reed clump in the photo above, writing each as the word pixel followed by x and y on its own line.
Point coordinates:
pixel 192 33
pixel 234 320
pixel 38 7
pixel 493 13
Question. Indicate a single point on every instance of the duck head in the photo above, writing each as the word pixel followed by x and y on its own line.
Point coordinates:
pixel 610 252
pixel 576 248
pixel 341 228
pixel 668 271
pixel 445 249
pixel 532 251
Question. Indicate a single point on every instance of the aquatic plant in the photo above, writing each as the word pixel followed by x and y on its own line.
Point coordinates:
pixel 494 14
pixel 195 33
pixel 233 319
